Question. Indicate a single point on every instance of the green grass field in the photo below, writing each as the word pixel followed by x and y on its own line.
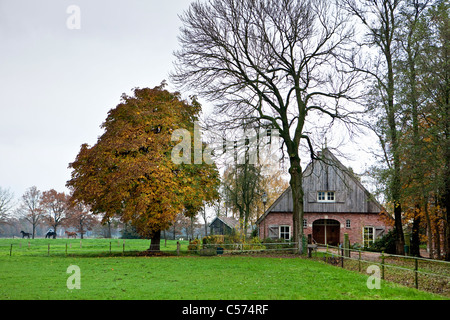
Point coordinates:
pixel 28 274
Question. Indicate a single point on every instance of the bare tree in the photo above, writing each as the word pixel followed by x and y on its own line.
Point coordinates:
pixel 382 20
pixel 242 186
pixel 6 197
pixel 282 62
pixel 31 209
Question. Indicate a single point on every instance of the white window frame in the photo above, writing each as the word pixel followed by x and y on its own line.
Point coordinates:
pixel 326 196
pixel 305 223
pixel 348 223
pixel 284 232
pixel 367 240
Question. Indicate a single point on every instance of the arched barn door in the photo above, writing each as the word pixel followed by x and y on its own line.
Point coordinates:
pixel 326 231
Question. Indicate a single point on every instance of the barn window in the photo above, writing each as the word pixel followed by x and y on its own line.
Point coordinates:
pixel 368 236
pixel 330 196
pixel 348 223
pixel 285 232
pixel 305 223
pixel 326 196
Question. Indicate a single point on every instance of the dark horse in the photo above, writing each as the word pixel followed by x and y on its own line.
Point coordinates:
pixel 25 234
pixel 50 234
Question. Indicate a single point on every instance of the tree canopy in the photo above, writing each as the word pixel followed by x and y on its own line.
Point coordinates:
pixel 129 171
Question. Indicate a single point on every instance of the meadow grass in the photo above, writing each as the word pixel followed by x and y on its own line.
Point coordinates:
pixel 81 247
pixel 36 276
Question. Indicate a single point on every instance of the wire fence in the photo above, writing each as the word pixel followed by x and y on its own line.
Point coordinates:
pixel 117 247
pixel 420 273
pixel 73 247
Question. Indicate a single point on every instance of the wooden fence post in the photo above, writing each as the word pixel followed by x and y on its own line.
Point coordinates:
pixel 66 248
pixel 347 245
pixel 416 275
pixel 10 250
pixel 178 248
pixel 382 265
pixel 359 260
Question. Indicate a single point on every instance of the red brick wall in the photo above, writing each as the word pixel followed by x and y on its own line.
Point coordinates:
pixel 358 221
pixel 274 219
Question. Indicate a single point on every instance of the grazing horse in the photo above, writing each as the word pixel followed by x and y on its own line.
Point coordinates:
pixel 25 234
pixel 50 234
pixel 71 234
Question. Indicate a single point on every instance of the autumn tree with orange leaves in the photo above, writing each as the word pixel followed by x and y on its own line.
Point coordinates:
pixel 56 207
pixel 80 217
pixel 129 172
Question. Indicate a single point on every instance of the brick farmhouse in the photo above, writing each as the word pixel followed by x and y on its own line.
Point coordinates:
pixel 335 203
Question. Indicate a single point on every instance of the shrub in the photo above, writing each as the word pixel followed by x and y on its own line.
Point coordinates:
pixel 233 242
pixel 385 243
pixel 194 245
pixel 254 244
pixel 213 239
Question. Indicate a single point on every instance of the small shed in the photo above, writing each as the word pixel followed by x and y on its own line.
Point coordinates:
pixel 223 225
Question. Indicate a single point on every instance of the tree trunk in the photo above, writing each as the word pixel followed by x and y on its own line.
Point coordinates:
pixel 447 222
pixel 81 229
pixel 174 230
pixel 437 239
pixel 429 231
pixel 109 229
pixel 155 241
pixel 446 196
pixel 415 236
pixel 296 183
pixel 445 230
pixel 396 180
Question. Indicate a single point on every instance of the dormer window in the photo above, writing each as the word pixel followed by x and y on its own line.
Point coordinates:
pixel 326 196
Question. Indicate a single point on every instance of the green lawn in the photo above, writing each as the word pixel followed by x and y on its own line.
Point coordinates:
pixel 37 276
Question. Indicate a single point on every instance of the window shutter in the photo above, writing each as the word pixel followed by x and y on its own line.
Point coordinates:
pixel 273 231
pixel 312 196
pixel 379 232
pixel 340 196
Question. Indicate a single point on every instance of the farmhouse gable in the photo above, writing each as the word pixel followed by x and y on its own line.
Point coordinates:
pixel 335 202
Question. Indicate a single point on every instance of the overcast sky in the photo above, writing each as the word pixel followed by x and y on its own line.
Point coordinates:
pixel 57 84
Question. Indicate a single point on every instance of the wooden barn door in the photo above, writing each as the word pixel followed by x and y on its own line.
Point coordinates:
pixel 326 231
